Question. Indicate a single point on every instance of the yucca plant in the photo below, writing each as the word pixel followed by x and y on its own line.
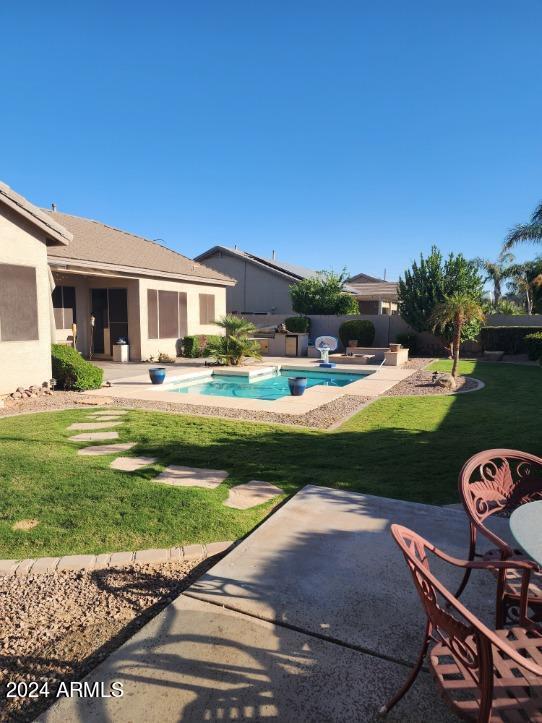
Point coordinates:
pixel 457 310
pixel 235 345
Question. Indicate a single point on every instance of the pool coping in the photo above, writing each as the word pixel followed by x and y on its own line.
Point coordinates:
pixel 378 381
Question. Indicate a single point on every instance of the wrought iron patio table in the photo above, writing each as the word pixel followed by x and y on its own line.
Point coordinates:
pixel 526 527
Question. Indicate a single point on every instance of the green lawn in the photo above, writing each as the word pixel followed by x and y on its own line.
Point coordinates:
pixel 409 448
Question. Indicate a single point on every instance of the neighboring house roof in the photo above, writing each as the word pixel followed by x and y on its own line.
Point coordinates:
pixel 95 244
pixel 361 285
pixel 375 290
pixel 55 232
pixel 296 273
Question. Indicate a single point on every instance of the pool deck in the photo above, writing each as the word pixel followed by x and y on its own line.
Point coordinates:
pixel 138 386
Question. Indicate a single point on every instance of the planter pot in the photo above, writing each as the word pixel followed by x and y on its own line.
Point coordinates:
pixel 395 347
pixel 157 375
pixel 297 385
pixel 353 342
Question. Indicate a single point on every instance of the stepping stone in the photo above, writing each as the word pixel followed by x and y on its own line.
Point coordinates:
pixel 93 425
pixel 107 418
pixel 253 493
pixel 101 449
pixel 116 412
pixel 191 477
pixel 94 436
pixel 131 464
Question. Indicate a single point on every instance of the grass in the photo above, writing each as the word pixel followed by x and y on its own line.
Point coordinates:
pixel 408 448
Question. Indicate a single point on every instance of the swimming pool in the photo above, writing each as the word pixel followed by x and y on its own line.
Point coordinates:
pixel 269 387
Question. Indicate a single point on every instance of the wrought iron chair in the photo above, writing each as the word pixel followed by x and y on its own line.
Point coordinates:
pixel 485 675
pixel 496 482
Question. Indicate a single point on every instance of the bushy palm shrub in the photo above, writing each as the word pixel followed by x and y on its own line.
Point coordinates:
pixel 236 344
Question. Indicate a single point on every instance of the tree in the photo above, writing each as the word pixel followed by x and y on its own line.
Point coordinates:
pixel 323 294
pixel 496 272
pixel 429 282
pixel 526 232
pixel 526 283
pixel 236 344
pixel 456 311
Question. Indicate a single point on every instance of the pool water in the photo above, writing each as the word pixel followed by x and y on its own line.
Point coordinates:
pixel 267 387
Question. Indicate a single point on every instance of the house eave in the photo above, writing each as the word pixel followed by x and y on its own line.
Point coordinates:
pixel 53 236
pixel 67 265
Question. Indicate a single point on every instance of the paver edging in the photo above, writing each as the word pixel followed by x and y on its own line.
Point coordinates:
pixel 43 565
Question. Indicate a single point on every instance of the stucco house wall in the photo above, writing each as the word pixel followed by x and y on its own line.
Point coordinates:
pixel 23 363
pixel 151 347
pixel 83 286
pixel 257 290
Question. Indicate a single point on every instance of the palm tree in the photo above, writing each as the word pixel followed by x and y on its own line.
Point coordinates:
pixel 496 272
pixel 524 280
pixel 457 310
pixel 236 344
pixel 526 232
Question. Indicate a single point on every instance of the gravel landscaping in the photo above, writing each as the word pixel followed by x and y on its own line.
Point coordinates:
pixel 325 416
pixel 58 627
pixel 421 384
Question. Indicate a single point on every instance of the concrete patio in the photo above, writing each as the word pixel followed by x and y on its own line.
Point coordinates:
pixel 313 617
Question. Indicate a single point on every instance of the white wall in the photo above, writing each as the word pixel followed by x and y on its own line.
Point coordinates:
pixel 23 363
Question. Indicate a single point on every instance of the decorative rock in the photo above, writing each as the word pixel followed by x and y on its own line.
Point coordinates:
pixel 179 476
pixel 253 493
pixel 131 464
pixel 93 436
pixel 101 449
pixel 446 381
pixel 93 425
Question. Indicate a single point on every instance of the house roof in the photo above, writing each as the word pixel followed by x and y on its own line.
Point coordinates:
pixel 99 245
pixel 295 272
pixel 375 290
pixel 361 285
pixel 56 234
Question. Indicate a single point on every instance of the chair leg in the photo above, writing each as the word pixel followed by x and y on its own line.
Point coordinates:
pixel 472 552
pixel 412 677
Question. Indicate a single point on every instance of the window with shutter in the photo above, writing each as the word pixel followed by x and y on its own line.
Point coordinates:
pixel 206 308
pixel 18 303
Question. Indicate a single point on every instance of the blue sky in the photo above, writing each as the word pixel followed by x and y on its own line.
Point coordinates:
pixel 337 133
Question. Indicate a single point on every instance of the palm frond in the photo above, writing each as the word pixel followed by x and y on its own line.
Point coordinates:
pixel 528 233
pixel 537 214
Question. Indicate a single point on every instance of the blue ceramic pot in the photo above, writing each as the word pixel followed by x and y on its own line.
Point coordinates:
pixel 157 375
pixel 297 385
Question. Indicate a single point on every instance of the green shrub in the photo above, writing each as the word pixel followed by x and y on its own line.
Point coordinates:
pixel 73 372
pixel 362 331
pixel 208 340
pixel 298 324
pixel 534 345
pixel 408 341
pixel 509 339
pixel 191 347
